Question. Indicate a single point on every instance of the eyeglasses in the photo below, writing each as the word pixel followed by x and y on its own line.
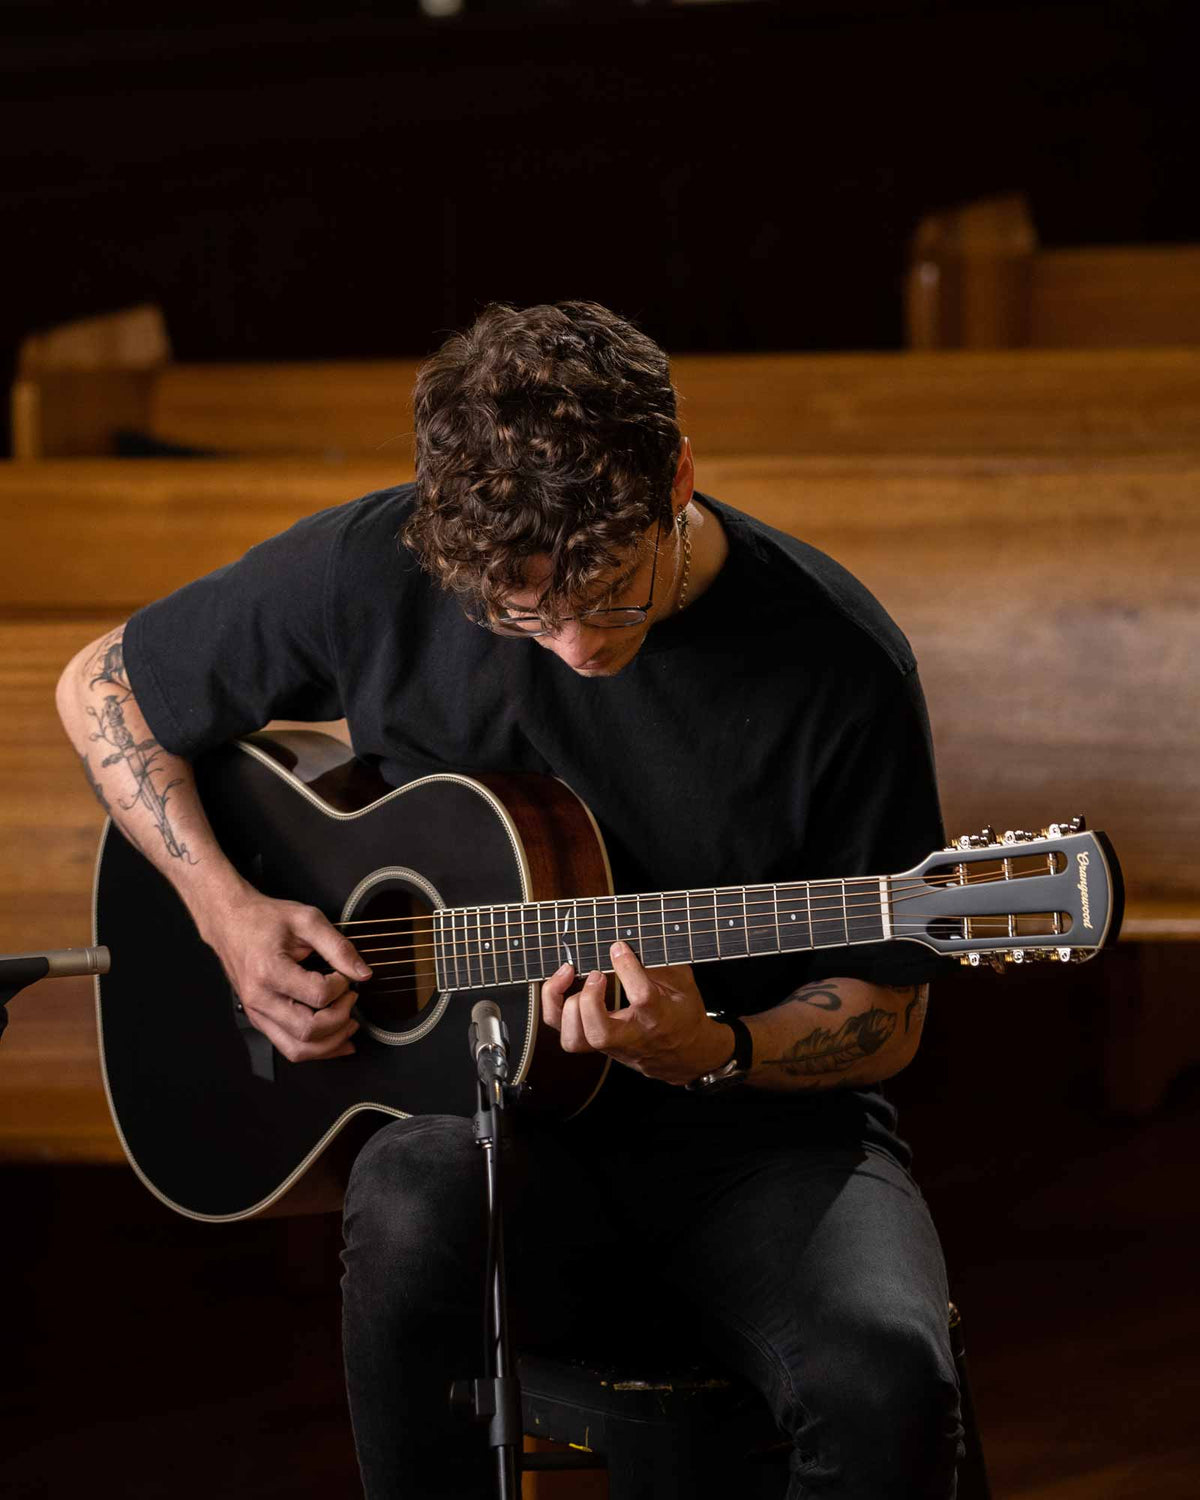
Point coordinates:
pixel 601 619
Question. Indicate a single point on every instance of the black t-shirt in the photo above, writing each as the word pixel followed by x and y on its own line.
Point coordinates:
pixel 774 730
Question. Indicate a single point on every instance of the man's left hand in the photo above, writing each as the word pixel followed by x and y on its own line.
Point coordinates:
pixel 663 1032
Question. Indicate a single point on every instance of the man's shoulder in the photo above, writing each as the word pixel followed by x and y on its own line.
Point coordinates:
pixel 807 586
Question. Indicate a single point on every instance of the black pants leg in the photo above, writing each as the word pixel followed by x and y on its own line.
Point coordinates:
pixel 815 1271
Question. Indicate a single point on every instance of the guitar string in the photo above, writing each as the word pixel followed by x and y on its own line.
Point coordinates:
pixel 428 954
pixel 465 956
pixel 912 890
pixel 656 924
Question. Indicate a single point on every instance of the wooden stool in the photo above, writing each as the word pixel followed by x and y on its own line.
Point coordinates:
pixel 683 1434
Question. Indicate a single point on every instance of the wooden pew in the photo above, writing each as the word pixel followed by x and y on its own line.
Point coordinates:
pixel 1003 401
pixel 1054 606
pixel 979 279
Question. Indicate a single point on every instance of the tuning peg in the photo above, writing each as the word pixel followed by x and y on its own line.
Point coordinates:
pixel 1071 825
pixel 975 840
pixel 1019 836
pixel 975 960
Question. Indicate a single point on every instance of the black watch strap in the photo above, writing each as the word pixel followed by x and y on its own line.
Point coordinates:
pixel 736 1069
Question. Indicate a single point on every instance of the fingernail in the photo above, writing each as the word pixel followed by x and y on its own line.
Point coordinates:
pixel 561 970
pixel 363 971
pixel 595 977
pixel 619 950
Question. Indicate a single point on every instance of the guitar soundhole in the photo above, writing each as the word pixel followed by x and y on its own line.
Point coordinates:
pixel 392 927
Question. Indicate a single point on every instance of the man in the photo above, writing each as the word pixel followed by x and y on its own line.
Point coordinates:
pixel 553 596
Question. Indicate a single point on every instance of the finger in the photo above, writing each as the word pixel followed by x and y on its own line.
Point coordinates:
pixel 339 952
pixel 283 976
pixel 304 1023
pixel 554 992
pixel 594 1018
pixel 573 1038
pixel 296 1049
pixel 337 986
pixel 326 1020
pixel 637 984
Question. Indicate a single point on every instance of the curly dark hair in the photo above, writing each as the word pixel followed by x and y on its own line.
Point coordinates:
pixel 548 430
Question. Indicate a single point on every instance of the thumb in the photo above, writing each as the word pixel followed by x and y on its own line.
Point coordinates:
pixel 337 951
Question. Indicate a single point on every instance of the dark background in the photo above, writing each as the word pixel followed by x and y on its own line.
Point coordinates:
pixel 308 180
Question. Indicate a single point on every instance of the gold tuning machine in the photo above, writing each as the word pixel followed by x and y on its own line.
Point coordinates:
pixel 1000 958
pixel 981 840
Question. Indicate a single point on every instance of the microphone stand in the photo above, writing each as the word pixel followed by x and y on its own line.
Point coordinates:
pixel 496 1399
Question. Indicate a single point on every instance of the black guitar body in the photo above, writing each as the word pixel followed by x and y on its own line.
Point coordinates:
pixel 214 1120
pixel 460 888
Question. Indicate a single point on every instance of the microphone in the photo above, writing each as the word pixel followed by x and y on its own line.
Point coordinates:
pixel 19 969
pixel 55 963
pixel 488 1039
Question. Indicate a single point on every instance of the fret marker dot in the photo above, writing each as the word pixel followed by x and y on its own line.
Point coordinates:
pixel 487 945
pixel 731 921
pixel 676 926
pixel 516 944
pixel 793 918
pixel 629 932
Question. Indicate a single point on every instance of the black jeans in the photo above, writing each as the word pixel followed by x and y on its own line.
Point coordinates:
pixel 814 1271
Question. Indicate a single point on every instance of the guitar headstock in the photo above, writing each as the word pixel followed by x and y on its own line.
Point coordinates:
pixel 1013 898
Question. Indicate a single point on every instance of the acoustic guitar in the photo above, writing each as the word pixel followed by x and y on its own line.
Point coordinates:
pixel 456 888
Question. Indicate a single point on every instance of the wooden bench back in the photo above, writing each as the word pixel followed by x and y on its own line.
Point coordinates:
pixel 956 403
pixel 1054 605
pixel 978 279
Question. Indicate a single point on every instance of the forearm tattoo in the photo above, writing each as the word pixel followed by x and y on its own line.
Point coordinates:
pixel 917 994
pixel 107 667
pixel 823 993
pixel 823 1051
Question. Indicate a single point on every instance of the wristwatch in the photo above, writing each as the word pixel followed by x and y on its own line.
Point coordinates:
pixel 737 1068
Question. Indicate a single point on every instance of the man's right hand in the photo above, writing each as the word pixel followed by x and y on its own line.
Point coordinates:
pixel 262 944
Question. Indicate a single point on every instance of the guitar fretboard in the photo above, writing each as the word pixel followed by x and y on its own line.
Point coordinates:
pixel 480 946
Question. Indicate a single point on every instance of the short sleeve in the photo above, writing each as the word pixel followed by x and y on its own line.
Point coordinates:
pixel 248 643
pixel 876 812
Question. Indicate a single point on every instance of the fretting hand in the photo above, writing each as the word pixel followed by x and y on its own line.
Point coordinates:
pixel 663 1031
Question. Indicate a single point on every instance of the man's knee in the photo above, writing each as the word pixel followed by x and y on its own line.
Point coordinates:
pixel 890 1404
pixel 416 1185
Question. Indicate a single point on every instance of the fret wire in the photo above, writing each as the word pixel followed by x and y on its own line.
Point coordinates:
pixel 877 910
pixel 778 934
pixel 845 913
pixel 518 947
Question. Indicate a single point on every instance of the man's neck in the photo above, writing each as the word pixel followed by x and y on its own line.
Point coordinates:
pixel 710 548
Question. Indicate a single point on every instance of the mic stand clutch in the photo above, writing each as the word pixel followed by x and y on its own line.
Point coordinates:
pixel 496 1399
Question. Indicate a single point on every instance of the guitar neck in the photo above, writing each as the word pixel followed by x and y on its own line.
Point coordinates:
pixel 480 946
